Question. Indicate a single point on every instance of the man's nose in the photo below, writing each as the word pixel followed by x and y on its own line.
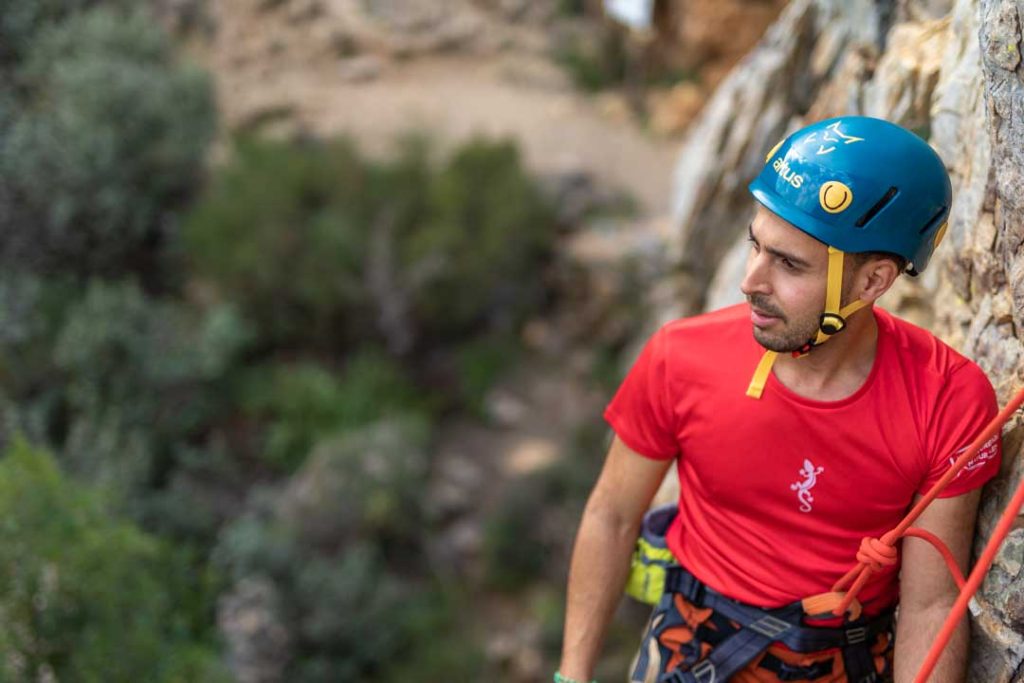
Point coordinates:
pixel 755 279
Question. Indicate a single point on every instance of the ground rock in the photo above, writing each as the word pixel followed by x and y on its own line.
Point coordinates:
pixel 360 69
pixel 673 109
pixel 256 640
pixel 691 34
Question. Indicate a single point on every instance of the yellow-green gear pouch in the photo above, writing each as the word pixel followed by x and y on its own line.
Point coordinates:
pixel 651 557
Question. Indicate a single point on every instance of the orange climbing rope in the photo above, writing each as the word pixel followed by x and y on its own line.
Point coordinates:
pixel 875 553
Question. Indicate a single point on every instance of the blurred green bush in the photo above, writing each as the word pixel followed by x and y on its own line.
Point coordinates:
pixel 304 402
pixel 522 547
pixel 595 62
pixel 104 138
pixel 87 597
pixel 280 232
pixel 323 248
pixel 343 544
pixel 140 378
pixel 481 362
pixel 116 380
pixel 492 231
pixel 21 21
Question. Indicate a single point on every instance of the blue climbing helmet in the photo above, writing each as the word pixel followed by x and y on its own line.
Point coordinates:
pixel 859 184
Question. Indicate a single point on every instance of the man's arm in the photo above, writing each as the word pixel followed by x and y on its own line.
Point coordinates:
pixel 600 558
pixel 927 591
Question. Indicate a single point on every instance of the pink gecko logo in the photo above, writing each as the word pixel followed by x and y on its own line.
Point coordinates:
pixel 803 488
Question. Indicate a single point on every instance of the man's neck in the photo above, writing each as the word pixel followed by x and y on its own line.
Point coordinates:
pixel 837 368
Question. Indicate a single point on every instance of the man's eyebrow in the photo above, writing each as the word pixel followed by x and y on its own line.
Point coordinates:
pixel 778 253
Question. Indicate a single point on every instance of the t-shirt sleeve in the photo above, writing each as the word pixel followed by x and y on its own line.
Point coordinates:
pixel 965 406
pixel 640 412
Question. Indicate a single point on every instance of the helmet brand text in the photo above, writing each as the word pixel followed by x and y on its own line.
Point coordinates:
pixel 788 174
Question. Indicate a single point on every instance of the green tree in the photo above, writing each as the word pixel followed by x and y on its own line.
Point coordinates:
pixel 86 596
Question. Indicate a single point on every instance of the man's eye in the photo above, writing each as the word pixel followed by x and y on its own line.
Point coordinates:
pixel 753 243
pixel 787 264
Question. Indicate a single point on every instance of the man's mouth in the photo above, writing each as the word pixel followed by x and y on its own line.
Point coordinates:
pixel 762 316
pixel 761 319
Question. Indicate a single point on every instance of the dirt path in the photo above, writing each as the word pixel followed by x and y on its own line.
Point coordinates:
pixel 523 97
pixel 558 130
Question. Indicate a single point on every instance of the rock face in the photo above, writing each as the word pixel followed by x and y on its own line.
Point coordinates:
pixel 710 35
pixel 951 71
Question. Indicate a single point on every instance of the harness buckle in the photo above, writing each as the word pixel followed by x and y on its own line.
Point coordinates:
pixel 857 635
pixel 704 672
pixel 697 593
pixel 770 626
pixel 677 580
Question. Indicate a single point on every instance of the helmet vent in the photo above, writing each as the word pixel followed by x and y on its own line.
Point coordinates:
pixel 879 205
pixel 933 220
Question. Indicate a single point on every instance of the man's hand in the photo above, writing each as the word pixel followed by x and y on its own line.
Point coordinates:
pixel 927 591
pixel 600 559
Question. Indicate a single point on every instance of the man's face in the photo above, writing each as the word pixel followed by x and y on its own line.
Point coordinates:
pixel 784 282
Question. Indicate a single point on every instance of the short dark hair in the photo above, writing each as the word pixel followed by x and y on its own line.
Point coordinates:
pixel 860 258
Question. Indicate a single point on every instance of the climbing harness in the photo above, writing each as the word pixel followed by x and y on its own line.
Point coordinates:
pixel 736 633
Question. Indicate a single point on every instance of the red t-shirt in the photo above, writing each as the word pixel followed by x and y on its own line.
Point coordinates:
pixel 776 493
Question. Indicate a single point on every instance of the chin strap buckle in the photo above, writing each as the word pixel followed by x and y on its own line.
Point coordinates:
pixel 832 323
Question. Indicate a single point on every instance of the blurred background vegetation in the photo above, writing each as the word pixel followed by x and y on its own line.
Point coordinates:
pixel 221 384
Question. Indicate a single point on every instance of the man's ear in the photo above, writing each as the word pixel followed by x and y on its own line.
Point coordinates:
pixel 874 277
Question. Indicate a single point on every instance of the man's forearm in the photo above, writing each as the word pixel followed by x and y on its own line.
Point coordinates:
pixel 915 633
pixel 600 565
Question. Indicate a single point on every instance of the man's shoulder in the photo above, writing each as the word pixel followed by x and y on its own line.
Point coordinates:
pixel 703 347
pixel 920 351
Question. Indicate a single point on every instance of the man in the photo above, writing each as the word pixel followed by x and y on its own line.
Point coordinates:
pixel 801 423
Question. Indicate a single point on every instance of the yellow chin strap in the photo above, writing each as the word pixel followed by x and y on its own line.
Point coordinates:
pixel 833 320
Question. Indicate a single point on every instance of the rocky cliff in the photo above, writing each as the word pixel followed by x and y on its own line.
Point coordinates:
pixel 952 72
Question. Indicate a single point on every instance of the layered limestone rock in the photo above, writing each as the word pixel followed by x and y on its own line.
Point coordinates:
pixel 952 73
